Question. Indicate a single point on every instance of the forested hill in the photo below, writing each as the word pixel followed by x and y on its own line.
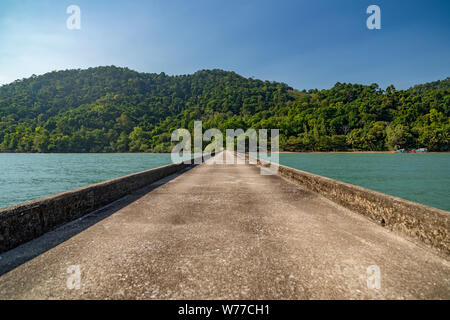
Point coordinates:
pixel 111 109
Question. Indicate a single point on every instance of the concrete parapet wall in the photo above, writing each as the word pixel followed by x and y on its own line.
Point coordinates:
pixel 24 222
pixel 429 225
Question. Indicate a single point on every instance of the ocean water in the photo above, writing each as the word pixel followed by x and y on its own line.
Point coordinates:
pixel 25 177
pixel 423 178
pixel 420 177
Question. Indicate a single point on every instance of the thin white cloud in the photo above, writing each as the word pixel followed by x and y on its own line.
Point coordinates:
pixel 5 80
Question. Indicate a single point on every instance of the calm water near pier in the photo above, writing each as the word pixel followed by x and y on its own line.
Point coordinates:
pixel 27 177
pixel 424 178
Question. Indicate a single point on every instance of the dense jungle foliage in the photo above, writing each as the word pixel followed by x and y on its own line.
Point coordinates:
pixel 111 109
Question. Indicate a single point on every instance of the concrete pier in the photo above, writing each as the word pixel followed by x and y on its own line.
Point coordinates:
pixel 227 232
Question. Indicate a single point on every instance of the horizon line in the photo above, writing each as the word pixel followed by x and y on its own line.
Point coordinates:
pixel 212 69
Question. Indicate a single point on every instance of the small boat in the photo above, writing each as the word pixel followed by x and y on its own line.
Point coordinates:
pixel 412 151
pixel 421 150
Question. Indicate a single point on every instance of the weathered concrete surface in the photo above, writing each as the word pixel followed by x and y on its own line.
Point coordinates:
pixel 226 232
pixel 24 222
pixel 27 251
pixel 428 225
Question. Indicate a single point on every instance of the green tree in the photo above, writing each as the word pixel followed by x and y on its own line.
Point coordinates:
pixel 41 140
pixel 138 140
pixel 397 137
pixel 122 143
pixel 99 109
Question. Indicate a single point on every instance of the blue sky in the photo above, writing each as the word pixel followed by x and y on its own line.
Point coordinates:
pixel 306 44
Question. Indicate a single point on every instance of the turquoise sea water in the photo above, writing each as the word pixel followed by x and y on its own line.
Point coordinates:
pixel 27 177
pixel 423 178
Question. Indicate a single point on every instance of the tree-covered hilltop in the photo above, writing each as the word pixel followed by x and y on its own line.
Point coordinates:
pixel 111 109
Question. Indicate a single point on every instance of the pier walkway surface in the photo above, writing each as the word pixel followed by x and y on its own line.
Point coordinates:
pixel 227 232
